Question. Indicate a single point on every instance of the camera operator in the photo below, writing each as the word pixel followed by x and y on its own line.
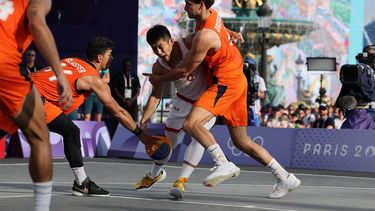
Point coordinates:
pixel 358 91
pixel 370 50
pixel 256 91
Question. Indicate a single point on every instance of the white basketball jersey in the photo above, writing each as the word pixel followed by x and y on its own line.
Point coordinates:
pixel 195 84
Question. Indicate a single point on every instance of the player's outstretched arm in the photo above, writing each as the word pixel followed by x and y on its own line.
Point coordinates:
pixel 103 93
pixel 154 98
pixel 43 39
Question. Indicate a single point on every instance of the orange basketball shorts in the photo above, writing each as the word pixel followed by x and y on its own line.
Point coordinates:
pixel 227 99
pixel 13 89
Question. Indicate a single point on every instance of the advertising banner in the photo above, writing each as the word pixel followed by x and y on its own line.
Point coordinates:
pixel 345 149
pixel 95 141
pixel 279 142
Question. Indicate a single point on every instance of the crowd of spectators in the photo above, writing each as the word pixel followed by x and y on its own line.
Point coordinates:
pixel 302 116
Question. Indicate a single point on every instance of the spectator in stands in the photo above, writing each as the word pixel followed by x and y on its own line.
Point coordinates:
pixel 275 120
pixel 299 124
pixel 28 64
pixel 291 109
pixel 324 121
pixel 92 103
pixel 339 118
pixel 284 120
pixel 309 117
pixel 126 88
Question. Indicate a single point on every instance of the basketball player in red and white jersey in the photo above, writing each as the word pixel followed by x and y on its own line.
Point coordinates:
pixel 226 96
pixel 83 78
pixel 21 22
pixel 170 54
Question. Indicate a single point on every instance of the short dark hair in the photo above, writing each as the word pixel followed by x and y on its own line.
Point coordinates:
pixel 367 47
pixel 97 46
pixel 207 3
pixel 124 61
pixel 156 33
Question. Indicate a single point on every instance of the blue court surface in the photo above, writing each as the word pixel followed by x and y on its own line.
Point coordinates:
pixel 320 190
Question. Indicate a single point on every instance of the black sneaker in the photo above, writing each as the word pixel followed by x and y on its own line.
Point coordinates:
pixel 88 188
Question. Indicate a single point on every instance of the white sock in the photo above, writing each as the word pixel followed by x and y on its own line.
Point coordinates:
pixel 79 174
pixel 186 171
pixel 193 155
pixel 216 153
pixel 275 167
pixel 155 170
pixel 42 195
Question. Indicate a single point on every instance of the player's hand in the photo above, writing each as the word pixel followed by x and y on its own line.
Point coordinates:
pixel 154 79
pixel 236 36
pixel 65 92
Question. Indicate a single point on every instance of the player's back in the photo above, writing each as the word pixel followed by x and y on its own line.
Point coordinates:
pixel 15 36
pixel 227 62
pixel 73 68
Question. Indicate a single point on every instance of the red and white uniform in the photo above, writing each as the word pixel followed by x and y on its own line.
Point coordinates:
pixel 189 89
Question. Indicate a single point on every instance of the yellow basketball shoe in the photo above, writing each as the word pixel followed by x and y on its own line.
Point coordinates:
pixel 178 188
pixel 147 182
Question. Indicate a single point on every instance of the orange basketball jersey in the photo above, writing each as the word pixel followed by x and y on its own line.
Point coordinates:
pixel 227 62
pixel 15 36
pixel 74 68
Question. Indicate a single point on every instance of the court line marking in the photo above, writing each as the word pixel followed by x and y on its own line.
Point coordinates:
pixel 162 184
pixel 165 200
pixel 199 168
pixel 203 203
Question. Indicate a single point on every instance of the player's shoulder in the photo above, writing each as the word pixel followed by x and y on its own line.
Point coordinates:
pixel 157 68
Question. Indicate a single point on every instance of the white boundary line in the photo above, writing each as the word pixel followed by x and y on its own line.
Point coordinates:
pixel 165 200
pixel 142 164
pixel 203 203
pixel 197 184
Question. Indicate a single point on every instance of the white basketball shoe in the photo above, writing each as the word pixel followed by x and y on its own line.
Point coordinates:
pixel 282 187
pixel 221 172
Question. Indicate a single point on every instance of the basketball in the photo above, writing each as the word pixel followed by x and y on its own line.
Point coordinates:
pixel 159 147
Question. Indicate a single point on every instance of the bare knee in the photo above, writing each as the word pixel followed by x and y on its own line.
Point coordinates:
pixel 189 126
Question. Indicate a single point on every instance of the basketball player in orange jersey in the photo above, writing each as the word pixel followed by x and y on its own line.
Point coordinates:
pixel 226 96
pixel 21 22
pixel 83 77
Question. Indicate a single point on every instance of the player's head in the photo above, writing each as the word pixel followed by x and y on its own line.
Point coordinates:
pixel 160 40
pixel 194 8
pixel 99 51
pixel 30 56
pixel 369 49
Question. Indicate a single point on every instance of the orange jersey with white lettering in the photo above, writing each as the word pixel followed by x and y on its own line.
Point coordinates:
pixel 227 62
pixel 73 68
pixel 15 36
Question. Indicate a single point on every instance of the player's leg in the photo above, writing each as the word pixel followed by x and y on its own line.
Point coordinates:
pixel 286 181
pixel 82 184
pixel 214 101
pixel 174 133
pixel 236 119
pixel 30 119
pixel 192 157
pixel 157 173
